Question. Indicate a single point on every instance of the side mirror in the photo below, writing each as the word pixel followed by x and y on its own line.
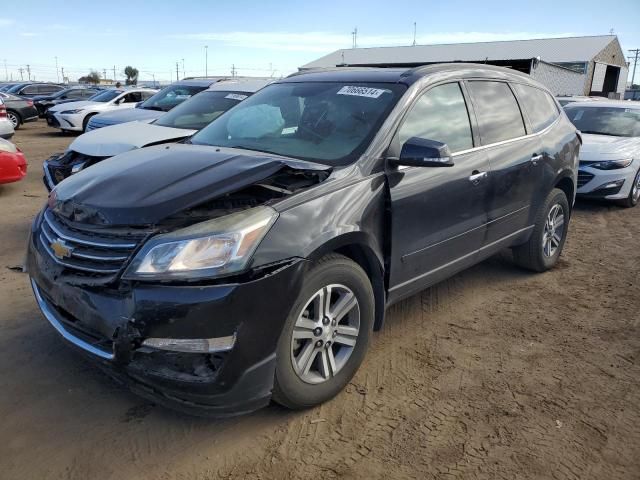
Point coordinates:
pixel 420 152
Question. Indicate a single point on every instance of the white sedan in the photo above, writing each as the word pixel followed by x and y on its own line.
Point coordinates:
pixel 610 154
pixel 74 116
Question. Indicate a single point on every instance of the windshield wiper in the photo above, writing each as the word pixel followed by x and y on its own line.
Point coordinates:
pixel 153 107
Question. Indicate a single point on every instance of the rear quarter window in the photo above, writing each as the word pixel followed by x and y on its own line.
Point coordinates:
pixel 497 111
pixel 538 105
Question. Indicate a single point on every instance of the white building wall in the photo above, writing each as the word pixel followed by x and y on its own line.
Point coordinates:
pixel 561 81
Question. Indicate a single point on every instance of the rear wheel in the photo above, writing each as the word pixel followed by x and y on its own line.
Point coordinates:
pixel 545 245
pixel 326 334
pixel 634 194
pixel 14 118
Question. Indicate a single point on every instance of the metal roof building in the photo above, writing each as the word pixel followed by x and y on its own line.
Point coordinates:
pixel 592 65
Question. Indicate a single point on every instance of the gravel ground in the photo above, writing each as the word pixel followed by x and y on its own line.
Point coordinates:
pixel 495 373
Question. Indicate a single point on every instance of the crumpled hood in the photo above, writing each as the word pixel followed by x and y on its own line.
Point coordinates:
pixel 116 139
pixel 145 186
pixel 72 105
pixel 607 147
pixel 128 115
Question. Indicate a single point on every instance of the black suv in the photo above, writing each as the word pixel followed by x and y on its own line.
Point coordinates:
pixel 254 261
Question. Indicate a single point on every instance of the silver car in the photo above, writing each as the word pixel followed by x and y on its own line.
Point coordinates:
pixel 6 127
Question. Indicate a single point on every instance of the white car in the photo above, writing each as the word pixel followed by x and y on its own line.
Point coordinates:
pixel 610 153
pixel 74 116
pixel 179 123
pixel 6 127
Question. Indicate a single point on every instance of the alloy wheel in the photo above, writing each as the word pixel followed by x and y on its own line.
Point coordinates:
pixel 13 119
pixel 553 230
pixel 325 334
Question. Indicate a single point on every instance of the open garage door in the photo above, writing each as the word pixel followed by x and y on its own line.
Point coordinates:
pixel 605 80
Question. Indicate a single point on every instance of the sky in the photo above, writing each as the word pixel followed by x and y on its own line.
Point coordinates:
pixel 275 37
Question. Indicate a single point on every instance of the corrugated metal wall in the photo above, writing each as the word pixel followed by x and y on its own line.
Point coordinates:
pixel 560 81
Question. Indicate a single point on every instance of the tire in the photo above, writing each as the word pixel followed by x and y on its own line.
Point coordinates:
pixel 634 195
pixel 15 118
pixel 535 254
pixel 295 389
pixel 85 122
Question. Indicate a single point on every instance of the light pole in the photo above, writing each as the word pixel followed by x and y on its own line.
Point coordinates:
pixel 57 75
pixel 206 60
pixel 183 74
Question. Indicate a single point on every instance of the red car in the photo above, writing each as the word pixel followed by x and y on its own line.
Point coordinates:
pixel 13 165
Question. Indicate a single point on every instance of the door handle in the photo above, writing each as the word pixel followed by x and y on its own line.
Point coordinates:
pixel 477 176
pixel 535 159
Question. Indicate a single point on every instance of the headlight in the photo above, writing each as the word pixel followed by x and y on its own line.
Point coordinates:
pixel 71 112
pixel 208 249
pixel 612 164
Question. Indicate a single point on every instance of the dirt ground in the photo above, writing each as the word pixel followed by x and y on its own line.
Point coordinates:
pixel 495 373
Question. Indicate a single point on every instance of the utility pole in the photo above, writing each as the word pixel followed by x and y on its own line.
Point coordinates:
pixel 57 75
pixel 233 70
pixel 414 34
pixel 206 60
pixel 635 62
pixel 114 73
pixel 354 34
pixel 62 69
pixel 177 72
pixel 6 72
pixel 183 74
pixel 28 72
pixel 104 73
pixel 21 70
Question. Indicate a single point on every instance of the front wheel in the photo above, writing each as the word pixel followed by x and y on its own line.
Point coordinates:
pixel 326 335
pixel 545 245
pixel 634 194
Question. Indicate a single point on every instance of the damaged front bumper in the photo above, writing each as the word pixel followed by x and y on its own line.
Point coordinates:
pixel 110 324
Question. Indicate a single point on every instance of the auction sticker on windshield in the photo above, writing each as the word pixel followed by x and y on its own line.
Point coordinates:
pixel 236 96
pixel 361 91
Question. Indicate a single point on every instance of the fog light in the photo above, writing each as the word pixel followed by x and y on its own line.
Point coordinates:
pixel 192 345
pixel 610 185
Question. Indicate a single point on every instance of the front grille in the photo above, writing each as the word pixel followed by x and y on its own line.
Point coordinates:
pixel 86 252
pixel 52 121
pixel 584 178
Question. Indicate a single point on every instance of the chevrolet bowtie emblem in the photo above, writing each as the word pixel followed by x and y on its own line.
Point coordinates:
pixel 60 249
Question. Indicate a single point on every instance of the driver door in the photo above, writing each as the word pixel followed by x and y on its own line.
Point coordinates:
pixel 438 214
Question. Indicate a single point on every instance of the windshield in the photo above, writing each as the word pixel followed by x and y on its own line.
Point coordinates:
pixel 6 88
pixel 15 88
pixel 616 121
pixel 328 122
pixel 105 96
pixel 169 97
pixel 201 110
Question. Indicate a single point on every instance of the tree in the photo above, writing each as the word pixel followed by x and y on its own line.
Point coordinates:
pixel 93 77
pixel 132 75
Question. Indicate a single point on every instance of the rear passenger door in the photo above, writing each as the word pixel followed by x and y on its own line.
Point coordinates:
pixel 438 214
pixel 515 158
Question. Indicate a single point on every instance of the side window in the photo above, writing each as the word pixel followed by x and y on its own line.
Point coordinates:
pixel 146 95
pixel 540 107
pixel 440 114
pixel 497 111
pixel 30 90
pixel 132 97
pixel 74 94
